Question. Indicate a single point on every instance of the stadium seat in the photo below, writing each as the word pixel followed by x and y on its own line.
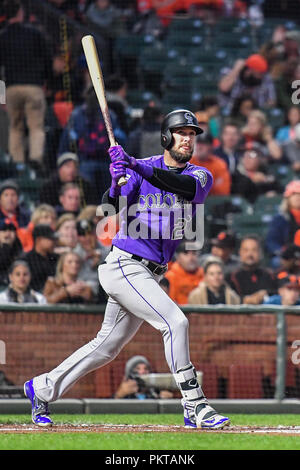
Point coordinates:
pixel 205 86
pixel 233 41
pixel 8 168
pixel 276 118
pixel 267 205
pixel 187 41
pixel 140 98
pixel 172 99
pixel 242 224
pixel 283 173
pixel 238 202
pixel 219 210
pixel 235 25
pixel 181 26
pixel 177 75
pixel 208 56
pixel 132 44
pixel 153 59
pixel 245 381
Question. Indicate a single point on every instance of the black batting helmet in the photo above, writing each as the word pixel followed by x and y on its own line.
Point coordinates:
pixel 175 119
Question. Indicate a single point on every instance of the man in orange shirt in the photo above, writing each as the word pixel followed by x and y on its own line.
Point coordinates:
pixel 203 156
pixel 184 274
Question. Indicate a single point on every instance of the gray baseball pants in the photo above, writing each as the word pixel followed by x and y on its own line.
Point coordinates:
pixel 134 297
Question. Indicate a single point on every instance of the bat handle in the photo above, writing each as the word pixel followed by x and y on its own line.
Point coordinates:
pixel 122 181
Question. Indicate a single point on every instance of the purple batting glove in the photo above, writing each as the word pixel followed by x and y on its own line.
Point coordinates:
pixel 117 169
pixel 117 153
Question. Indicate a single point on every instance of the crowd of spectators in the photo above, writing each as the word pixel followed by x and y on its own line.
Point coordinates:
pixel 50 249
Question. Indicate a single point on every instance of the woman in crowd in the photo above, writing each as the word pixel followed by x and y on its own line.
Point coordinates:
pixel 258 132
pixel 65 287
pixel 18 290
pixel 213 290
pixel 43 214
pixel 67 237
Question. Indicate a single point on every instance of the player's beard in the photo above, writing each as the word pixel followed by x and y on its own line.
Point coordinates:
pixel 181 157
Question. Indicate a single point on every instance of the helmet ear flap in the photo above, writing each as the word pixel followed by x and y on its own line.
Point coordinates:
pixel 166 139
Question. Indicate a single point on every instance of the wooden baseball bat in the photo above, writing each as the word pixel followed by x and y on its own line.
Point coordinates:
pixel 92 58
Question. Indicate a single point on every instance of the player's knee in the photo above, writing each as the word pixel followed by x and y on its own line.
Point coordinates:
pixel 181 325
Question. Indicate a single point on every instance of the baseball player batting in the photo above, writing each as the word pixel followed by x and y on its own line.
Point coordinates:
pixel 131 272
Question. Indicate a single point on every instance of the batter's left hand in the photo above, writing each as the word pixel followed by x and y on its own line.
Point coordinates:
pixel 117 153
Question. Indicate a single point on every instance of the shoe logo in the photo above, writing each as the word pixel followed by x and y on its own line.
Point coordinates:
pixel 210 421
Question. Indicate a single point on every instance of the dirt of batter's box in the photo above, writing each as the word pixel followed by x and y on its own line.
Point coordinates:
pixel 122 428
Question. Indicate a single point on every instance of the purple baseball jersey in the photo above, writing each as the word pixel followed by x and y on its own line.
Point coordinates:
pixel 152 221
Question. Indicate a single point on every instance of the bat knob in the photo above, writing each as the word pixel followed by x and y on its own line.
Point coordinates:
pixel 122 181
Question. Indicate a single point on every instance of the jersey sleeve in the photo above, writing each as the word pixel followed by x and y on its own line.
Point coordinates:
pixel 204 181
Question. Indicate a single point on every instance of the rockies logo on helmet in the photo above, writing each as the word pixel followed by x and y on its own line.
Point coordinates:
pixel 175 119
pixel 189 118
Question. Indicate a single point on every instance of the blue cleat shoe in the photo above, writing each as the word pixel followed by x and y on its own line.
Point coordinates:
pixel 202 415
pixel 40 414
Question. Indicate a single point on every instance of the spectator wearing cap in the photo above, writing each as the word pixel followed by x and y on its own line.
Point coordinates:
pixel 43 214
pixel 41 259
pixel 67 172
pixel 288 291
pixel 65 286
pixel 203 156
pixel 132 385
pixel 257 133
pixel 92 253
pixel 184 274
pixel 19 290
pixel 291 150
pixel 223 247
pixel 252 177
pixel 213 290
pixel 10 249
pixel 284 227
pixel 10 208
pixel 249 77
pixel 251 281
